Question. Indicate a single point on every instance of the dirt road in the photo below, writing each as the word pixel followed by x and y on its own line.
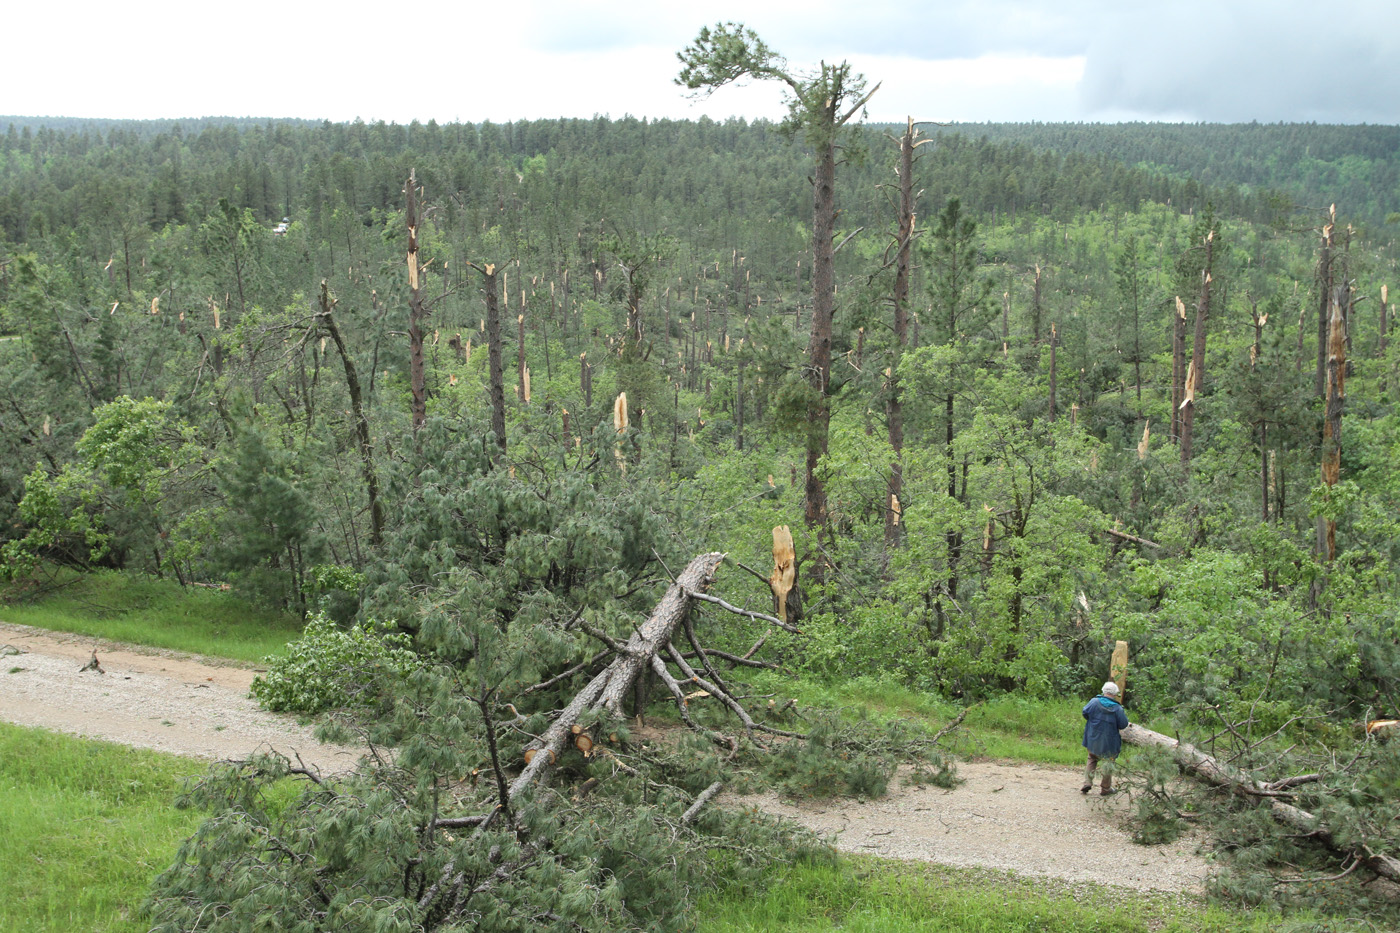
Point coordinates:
pixel 1028 819
pixel 147 698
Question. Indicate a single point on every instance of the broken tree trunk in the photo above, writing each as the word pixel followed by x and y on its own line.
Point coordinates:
pixel 606 690
pixel 1221 774
pixel 417 309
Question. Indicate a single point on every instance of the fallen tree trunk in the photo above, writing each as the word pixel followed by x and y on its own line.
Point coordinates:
pixel 1224 775
pixel 606 690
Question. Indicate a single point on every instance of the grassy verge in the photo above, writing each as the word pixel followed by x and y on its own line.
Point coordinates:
pixel 87 825
pixel 1020 728
pixel 158 613
pixel 866 895
pixel 90 824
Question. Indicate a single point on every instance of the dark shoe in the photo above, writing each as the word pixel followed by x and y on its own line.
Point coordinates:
pixel 1107 793
pixel 1086 788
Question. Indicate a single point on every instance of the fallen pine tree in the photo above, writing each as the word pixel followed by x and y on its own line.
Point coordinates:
pixel 506 785
pixel 1274 795
pixel 397 844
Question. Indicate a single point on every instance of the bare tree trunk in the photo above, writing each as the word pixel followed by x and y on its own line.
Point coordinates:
pixel 416 310
pixel 1035 308
pixel 1383 340
pixel 352 383
pixel 739 408
pixel 894 408
pixel 1198 356
pixel 819 346
pixel 493 353
pixel 1332 417
pixel 605 692
pixel 1324 287
pixel 1178 369
pixel 1054 381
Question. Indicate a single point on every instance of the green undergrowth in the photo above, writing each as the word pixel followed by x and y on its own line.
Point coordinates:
pixel 87 826
pixel 867 895
pixel 1010 727
pixel 157 613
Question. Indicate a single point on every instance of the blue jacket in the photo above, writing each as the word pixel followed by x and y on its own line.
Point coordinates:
pixel 1105 719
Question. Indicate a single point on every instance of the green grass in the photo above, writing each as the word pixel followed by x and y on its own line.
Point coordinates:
pixel 87 826
pixel 867 895
pixel 158 613
pixel 1011 727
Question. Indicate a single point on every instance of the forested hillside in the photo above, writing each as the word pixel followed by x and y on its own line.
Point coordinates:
pixel 1084 384
pixel 1310 165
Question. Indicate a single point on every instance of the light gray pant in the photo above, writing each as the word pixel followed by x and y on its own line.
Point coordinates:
pixel 1107 783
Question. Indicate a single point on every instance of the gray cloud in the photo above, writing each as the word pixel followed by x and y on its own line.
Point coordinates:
pixel 1248 60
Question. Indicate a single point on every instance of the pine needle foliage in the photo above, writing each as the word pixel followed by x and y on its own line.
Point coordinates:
pixel 490 565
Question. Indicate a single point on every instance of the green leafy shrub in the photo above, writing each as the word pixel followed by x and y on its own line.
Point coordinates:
pixel 331 668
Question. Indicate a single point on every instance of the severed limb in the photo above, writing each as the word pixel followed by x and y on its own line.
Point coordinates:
pixel 723 696
pixel 576 669
pixel 705 797
pixel 763 616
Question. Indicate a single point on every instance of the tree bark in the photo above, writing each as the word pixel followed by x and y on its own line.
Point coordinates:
pixel 493 353
pixel 352 383
pixel 1178 369
pixel 1324 287
pixel 416 310
pixel 1198 357
pixel 894 408
pixel 605 692
pixel 1223 775
pixel 819 346
pixel 1332 416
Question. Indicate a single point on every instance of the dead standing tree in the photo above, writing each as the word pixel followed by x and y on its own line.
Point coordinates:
pixel 493 351
pixel 903 247
pixel 418 308
pixel 1195 370
pixel 362 435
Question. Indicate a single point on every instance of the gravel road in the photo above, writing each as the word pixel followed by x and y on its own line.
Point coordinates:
pixel 147 698
pixel 1029 819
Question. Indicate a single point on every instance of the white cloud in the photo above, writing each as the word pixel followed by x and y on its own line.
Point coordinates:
pixel 967 60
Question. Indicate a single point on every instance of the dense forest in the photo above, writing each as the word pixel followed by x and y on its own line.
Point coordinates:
pixel 1081 384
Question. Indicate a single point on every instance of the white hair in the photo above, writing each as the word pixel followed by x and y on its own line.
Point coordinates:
pixel 1110 689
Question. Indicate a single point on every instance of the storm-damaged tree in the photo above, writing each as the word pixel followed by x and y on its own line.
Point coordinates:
pixel 418 306
pixel 821 104
pixel 515 797
pixel 902 247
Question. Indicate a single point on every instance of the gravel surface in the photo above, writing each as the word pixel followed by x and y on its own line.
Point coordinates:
pixel 1028 819
pixel 148 698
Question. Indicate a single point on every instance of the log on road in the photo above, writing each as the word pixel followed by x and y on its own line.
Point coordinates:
pixel 1225 775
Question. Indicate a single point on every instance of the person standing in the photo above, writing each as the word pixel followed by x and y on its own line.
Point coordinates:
pixel 1105 719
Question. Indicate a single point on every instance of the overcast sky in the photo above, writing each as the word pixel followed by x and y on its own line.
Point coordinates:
pixel 954 60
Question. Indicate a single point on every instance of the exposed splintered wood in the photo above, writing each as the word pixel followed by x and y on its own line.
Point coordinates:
pixel 1118 667
pixel 1221 774
pixel 417 309
pixel 620 424
pixel 784 576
